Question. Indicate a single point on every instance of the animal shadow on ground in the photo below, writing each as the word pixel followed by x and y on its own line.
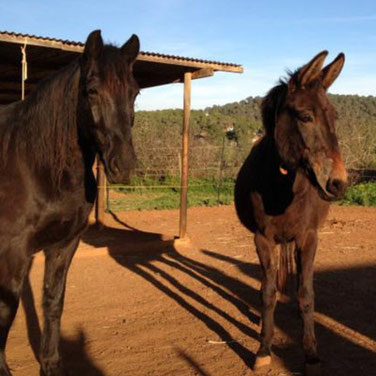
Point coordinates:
pixel 74 354
pixel 345 326
pixel 134 250
pixel 345 299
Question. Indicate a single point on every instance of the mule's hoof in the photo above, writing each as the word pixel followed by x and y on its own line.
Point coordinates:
pixel 312 369
pixel 53 371
pixel 262 362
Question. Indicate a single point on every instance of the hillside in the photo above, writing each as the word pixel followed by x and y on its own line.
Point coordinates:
pixel 157 134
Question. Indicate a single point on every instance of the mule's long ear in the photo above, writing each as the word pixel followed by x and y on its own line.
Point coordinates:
pixel 93 49
pixel 332 70
pixel 131 48
pixel 312 70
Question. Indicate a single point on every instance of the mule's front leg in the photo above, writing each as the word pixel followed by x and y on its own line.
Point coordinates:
pixel 306 250
pixel 56 268
pixel 266 252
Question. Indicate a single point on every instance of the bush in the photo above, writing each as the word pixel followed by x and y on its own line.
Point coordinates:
pixel 361 194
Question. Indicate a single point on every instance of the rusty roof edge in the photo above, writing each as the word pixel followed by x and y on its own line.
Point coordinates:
pixel 67 45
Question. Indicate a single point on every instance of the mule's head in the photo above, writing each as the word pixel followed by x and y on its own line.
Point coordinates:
pixel 110 91
pixel 304 126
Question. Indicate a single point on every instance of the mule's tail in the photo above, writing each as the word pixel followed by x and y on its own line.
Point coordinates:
pixel 286 265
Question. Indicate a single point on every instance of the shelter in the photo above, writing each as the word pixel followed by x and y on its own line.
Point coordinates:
pixel 26 59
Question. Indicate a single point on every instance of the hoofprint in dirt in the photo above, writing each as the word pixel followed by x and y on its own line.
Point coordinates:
pixel 139 303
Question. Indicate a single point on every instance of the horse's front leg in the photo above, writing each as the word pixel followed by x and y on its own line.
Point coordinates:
pixel 13 269
pixel 56 268
pixel 306 250
pixel 266 252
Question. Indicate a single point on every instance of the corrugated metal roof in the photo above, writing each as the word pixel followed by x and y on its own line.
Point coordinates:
pixel 146 54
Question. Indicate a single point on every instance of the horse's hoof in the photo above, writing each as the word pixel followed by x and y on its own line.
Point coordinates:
pixel 312 369
pixel 262 363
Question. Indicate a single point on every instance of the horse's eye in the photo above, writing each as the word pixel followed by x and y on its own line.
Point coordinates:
pixel 305 118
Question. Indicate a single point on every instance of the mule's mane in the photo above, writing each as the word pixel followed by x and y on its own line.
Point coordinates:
pixel 270 105
pixel 276 96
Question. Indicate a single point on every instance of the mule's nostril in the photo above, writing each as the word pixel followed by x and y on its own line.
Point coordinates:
pixel 336 187
pixel 337 183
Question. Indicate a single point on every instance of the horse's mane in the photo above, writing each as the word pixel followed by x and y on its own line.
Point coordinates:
pixel 50 118
pixel 44 125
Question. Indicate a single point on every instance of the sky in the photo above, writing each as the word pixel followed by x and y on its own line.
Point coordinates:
pixel 266 37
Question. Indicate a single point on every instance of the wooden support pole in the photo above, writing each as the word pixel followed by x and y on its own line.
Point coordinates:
pixel 184 155
pixel 99 204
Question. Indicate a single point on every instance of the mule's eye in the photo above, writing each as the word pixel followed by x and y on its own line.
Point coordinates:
pixel 305 118
pixel 91 90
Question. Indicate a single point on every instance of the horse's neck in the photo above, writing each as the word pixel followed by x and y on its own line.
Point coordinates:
pixel 48 123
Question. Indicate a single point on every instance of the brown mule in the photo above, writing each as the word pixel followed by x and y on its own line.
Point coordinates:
pixel 283 190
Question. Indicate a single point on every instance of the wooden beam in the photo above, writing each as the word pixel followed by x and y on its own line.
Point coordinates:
pixel 143 56
pixel 184 156
pixel 41 42
pixel 202 73
pixel 157 80
pixel 190 63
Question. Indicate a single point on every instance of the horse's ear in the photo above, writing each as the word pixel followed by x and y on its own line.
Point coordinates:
pixel 312 70
pixel 93 48
pixel 332 70
pixel 131 48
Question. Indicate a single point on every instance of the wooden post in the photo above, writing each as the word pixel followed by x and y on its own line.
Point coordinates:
pixel 99 204
pixel 184 156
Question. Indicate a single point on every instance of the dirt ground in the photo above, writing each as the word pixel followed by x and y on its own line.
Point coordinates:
pixel 138 303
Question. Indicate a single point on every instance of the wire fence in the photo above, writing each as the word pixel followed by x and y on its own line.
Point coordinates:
pixel 156 180
pixel 212 172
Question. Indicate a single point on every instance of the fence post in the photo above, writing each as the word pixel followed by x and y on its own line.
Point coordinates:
pixel 184 158
pixel 221 164
pixel 99 204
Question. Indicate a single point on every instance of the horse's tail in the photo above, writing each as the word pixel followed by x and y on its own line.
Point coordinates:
pixel 286 265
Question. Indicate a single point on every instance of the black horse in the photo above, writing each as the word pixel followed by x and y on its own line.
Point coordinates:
pixel 283 190
pixel 48 144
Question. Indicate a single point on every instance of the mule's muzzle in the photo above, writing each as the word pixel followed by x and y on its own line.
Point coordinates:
pixel 336 187
pixel 331 177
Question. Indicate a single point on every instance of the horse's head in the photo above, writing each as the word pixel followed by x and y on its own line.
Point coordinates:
pixel 304 125
pixel 109 91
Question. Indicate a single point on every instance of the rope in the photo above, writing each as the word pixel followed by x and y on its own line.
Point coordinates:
pixel 24 70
